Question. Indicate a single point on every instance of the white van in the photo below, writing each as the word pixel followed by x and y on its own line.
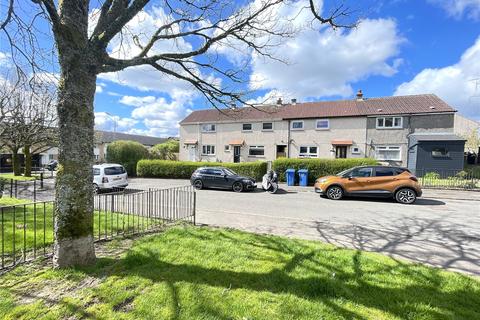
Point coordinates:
pixel 109 176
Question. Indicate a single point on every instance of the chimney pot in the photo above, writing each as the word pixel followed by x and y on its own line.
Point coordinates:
pixel 294 101
pixel 360 95
pixel 279 101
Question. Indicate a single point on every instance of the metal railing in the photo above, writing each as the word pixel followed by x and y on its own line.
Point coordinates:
pixel 26 230
pixel 449 179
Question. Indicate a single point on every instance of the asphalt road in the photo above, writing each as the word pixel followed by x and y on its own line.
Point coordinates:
pixel 441 229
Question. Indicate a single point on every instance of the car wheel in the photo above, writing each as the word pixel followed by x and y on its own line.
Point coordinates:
pixel 335 193
pixel 237 187
pixel 198 184
pixel 405 196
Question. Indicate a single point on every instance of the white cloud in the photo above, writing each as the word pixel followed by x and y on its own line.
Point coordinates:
pixel 98 89
pixel 457 8
pixel 452 83
pixel 105 121
pixel 159 116
pixel 326 62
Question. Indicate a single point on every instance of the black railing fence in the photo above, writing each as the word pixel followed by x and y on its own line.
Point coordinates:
pixel 26 230
pixel 444 178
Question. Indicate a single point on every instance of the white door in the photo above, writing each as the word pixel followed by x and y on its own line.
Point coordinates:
pixel 192 152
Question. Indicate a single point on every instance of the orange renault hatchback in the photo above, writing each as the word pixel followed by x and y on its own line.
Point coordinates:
pixel 371 181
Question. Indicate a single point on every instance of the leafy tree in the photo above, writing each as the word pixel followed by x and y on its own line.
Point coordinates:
pixel 82 40
pixel 473 140
pixel 167 150
pixel 126 153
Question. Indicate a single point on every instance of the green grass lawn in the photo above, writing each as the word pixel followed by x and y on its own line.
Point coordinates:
pixel 9 176
pixel 19 224
pixel 204 273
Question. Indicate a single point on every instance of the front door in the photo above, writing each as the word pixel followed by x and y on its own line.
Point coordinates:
pixel 192 152
pixel 236 153
pixel 341 152
pixel 281 151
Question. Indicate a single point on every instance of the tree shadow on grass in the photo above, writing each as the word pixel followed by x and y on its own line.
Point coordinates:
pixel 357 281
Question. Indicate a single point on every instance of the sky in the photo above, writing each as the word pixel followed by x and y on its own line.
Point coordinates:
pixel 400 47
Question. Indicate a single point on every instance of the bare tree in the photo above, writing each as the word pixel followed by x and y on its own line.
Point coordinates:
pixel 27 121
pixel 205 25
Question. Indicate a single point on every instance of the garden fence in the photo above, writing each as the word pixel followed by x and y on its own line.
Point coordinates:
pixel 449 179
pixel 26 230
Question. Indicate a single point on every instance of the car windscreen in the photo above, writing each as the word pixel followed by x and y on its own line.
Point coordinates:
pixel 341 174
pixel 110 171
pixel 230 172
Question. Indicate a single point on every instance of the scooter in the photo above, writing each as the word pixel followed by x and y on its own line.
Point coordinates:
pixel 270 182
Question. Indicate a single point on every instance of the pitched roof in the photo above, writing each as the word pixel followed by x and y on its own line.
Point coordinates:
pixel 413 104
pixel 108 136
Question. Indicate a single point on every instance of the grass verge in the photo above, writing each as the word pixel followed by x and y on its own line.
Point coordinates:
pixel 9 176
pixel 31 225
pixel 204 273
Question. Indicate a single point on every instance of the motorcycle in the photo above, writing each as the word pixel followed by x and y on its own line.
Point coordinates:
pixel 270 182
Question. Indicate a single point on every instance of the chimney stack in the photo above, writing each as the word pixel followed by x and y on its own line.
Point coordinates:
pixel 279 101
pixel 360 95
pixel 294 101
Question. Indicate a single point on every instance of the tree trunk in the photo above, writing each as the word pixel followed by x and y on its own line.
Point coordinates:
pixel 76 90
pixel 28 161
pixel 74 192
pixel 16 163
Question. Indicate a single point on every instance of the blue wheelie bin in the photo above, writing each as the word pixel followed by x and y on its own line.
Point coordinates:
pixel 290 175
pixel 303 177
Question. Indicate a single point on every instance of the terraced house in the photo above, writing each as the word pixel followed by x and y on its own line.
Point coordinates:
pixel 390 129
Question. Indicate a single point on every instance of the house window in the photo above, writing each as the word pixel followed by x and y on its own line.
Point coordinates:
pixel 208 150
pixel 388 153
pixel 247 127
pixel 227 148
pixel 308 152
pixel 209 128
pixel 50 157
pixel 256 151
pixel 440 152
pixel 267 126
pixel 355 150
pixel 297 125
pixel 389 122
pixel 323 124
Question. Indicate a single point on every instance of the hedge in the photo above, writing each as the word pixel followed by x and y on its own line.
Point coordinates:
pixel 126 153
pixel 318 167
pixel 184 169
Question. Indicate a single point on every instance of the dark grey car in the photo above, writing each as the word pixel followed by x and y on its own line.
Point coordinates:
pixel 221 178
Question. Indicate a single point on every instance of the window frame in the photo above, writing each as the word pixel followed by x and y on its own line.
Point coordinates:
pixel 247 130
pixel 227 148
pixel 318 120
pixel 205 147
pixel 211 125
pixel 383 127
pixel 263 126
pixel 297 129
pixel 356 152
pixel 307 154
pixel 256 147
pixel 388 148
pixel 441 156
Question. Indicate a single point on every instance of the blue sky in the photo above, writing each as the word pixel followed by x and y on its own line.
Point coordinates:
pixel 400 47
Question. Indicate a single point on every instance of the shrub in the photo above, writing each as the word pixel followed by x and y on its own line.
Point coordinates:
pixel 126 153
pixel 166 150
pixel 462 174
pixel 184 169
pixel 318 167
pixel 432 175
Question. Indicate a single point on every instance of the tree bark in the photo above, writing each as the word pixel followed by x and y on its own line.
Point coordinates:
pixel 74 192
pixel 28 161
pixel 76 90
pixel 16 163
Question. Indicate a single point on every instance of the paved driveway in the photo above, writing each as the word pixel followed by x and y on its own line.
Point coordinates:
pixel 441 229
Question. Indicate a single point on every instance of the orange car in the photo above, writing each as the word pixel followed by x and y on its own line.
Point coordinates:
pixel 371 181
